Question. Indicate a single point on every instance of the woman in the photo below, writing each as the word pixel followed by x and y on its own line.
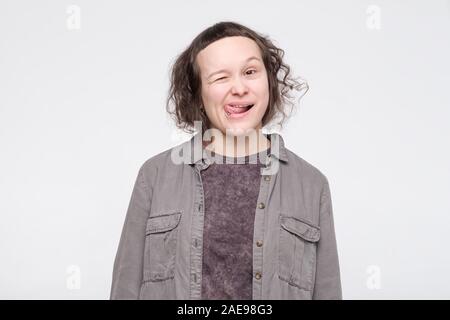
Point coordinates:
pixel 231 213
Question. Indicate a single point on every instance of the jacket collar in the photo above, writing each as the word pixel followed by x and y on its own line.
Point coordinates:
pixel 194 147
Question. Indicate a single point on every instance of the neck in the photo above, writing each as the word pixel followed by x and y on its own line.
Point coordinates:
pixel 238 145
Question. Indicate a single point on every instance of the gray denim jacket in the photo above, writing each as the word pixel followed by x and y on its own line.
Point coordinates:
pixel 160 250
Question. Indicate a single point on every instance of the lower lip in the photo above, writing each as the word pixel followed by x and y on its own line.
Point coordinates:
pixel 238 115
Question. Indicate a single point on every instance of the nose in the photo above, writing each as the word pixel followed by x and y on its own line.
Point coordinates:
pixel 238 86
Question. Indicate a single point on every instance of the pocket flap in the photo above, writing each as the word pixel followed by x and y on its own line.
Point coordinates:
pixel 162 223
pixel 301 228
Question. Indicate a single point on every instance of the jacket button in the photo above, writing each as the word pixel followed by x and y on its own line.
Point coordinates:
pixel 261 205
pixel 258 275
pixel 259 243
pixel 267 178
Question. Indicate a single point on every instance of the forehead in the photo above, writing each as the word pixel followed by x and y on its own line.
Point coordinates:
pixel 227 53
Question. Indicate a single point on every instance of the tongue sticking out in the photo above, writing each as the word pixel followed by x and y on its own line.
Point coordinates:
pixel 233 110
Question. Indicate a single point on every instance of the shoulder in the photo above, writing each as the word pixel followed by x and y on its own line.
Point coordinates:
pixel 156 161
pixel 305 170
pixel 151 168
pixel 160 164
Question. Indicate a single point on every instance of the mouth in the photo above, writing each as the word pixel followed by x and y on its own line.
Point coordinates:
pixel 237 111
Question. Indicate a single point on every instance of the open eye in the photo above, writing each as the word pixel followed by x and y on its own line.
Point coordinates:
pixel 251 70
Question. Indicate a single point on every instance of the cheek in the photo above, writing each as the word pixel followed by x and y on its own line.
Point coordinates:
pixel 261 86
pixel 217 94
pixel 213 102
pixel 262 92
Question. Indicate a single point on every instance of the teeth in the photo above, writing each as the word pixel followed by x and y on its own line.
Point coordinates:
pixel 240 106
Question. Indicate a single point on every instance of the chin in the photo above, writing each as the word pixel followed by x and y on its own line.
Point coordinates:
pixel 240 129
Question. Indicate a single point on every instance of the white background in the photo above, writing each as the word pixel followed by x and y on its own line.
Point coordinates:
pixel 82 109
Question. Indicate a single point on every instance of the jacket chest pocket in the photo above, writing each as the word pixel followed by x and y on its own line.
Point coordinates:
pixel 297 252
pixel 161 246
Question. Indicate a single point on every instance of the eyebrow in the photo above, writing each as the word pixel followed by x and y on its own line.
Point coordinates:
pixel 223 70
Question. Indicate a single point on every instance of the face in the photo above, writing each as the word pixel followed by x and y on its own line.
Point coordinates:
pixel 233 76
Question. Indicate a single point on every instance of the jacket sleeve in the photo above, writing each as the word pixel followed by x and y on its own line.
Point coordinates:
pixel 128 263
pixel 328 280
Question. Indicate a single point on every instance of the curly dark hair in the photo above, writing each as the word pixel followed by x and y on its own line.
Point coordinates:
pixel 185 81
